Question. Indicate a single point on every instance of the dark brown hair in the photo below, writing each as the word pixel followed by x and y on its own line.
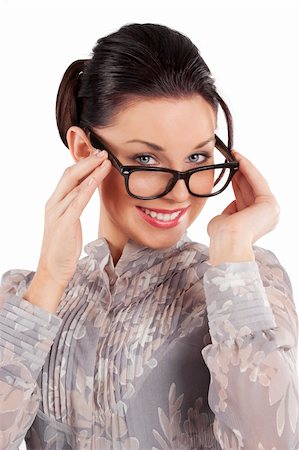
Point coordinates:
pixel 138 61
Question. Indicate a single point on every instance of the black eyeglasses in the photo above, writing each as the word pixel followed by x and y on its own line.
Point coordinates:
pixel 155 182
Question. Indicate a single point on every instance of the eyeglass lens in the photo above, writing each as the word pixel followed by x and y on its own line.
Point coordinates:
pixel 151 183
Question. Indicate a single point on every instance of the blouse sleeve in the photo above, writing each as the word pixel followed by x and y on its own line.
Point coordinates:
pixel 253 325
pixel 27 333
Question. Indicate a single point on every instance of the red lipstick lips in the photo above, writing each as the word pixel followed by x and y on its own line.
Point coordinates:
pixel 162 223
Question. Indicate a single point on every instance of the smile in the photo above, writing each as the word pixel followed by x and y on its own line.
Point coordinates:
pixel 160 216
pixel 161 219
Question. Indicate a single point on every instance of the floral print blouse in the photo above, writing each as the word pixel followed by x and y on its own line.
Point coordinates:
pixel 162 351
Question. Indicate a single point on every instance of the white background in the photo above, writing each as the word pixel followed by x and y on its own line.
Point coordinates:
pixel 251 48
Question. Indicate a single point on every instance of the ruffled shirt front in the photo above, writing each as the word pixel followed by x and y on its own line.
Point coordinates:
pixel 162 351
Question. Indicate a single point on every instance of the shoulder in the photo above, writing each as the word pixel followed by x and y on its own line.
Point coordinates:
pixel 264 255
pixel 272 273
pixel 271 270
pixel 278 288
pixel 15 281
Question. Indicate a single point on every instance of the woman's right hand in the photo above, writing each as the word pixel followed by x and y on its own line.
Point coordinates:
pixel 62 239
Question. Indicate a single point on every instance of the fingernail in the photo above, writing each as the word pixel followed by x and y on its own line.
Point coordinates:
pixel 99 153
pixel 104 153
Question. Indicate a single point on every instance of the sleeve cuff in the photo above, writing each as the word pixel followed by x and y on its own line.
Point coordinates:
pixel 236 298
pixel 27 332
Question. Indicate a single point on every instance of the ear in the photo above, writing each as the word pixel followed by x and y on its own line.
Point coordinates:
pixel 78 143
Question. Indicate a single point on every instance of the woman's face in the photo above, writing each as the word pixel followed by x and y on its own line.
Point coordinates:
pixel 178 126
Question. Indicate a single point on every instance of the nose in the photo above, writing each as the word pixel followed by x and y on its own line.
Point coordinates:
pixel 179 193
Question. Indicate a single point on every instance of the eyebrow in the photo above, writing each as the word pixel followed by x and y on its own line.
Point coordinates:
pixel 158 148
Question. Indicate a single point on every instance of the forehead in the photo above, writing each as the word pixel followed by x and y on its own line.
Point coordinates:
pixel 164 121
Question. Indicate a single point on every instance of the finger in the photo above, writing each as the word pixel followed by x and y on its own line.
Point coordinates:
pixel 74 175
pixel 244 186
pixel 84 191
pixel 240 202
pixel 243 190
pixel 76 207
pixel 254 177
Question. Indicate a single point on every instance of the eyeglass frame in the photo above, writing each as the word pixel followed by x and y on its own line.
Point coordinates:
pixel 230 163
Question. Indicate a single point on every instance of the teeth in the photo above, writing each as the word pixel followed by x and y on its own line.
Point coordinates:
pixel 164 217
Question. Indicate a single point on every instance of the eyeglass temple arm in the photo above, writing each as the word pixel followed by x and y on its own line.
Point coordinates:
pixel 220 145
pixel 98 144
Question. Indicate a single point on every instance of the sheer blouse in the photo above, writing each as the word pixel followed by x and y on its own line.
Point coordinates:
pixel 162 351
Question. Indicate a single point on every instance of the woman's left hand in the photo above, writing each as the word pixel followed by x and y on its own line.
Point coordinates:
pixel 254 212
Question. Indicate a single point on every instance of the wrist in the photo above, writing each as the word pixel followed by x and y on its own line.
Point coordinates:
pixel 230 246
pixel 43 292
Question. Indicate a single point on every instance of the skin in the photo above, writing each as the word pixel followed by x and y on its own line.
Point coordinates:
pixel 252 214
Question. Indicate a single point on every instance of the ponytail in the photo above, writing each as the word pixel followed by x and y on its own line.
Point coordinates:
pixel 67 103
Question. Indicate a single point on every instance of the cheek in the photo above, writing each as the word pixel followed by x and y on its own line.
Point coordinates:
pixel 113 189
pixel 197 206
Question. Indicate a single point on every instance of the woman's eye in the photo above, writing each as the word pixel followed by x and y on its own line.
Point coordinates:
pixel 143 159
pixel 196 158
pixel 199 158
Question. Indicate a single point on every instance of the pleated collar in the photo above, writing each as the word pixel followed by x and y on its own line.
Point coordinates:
pixel 134 257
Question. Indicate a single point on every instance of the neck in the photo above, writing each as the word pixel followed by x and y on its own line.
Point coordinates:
pixel 116 244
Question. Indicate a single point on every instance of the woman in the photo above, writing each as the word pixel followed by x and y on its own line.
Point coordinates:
pixel 151 341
